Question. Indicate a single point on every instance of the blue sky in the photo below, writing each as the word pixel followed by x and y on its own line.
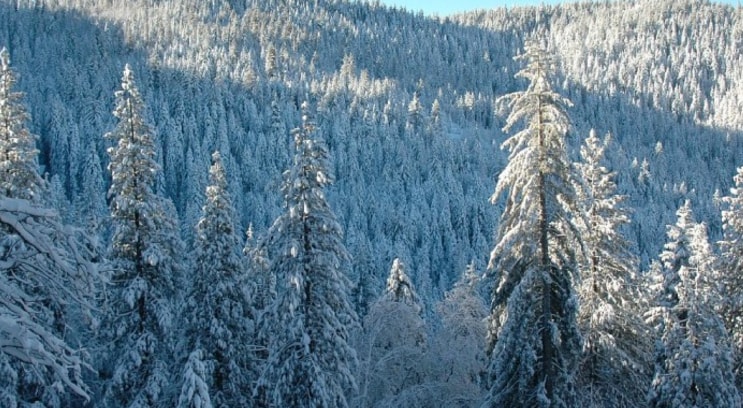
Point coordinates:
pixel 445 7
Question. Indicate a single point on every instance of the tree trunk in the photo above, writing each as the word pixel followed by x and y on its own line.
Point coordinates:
pixel 545 264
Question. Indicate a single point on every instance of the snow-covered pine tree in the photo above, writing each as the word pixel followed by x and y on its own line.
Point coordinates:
pixel 91 203
pixel 256 264
pixel 143 257
pixel 415 119
pixel 614 370
pixel 310 362
pixel 18 152
pixel 731 269
pixel 195 390
pixel 46 277
pixel 400 288
pixel 263 285
pixel 536 344
pixel 436 125
pixel 392 347
pixel 219 319
pixel 364 291
pixel 694 360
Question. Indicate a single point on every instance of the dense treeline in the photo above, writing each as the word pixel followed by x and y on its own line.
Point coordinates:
pixel 403 110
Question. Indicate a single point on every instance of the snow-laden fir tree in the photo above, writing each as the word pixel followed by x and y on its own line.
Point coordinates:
pixel 534 334
pixel 694 359
pixel 415 119
pixel 364 291
pixel 195 390
pixel 91 203
pixel 400 288
pixel 219 318
pixel 262 295
pixel 731 268
pixel 310 362
pixel 256 265
pixel 392 347
pixel 144 258
pixel 18 153
pixel 614 370
pixel 47 281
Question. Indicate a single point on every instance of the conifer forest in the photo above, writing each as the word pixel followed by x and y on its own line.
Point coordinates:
pixel 336 203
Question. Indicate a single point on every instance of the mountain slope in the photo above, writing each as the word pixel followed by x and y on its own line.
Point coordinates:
pixel 405 102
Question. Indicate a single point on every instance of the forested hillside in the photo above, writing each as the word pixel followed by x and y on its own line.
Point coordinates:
pixel 405 107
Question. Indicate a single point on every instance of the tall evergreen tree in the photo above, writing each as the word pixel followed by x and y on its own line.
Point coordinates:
pixel 731 265
pixel 536 343
pixel 263 294
pixel 18 152
pixel 364 291
pixel 310 362
pixel 256 264
pixel 400 288
pixel 613 371
pixel 694 360
pixel 142 253
pixel 91 203
pixel 219 319
pixel 414 122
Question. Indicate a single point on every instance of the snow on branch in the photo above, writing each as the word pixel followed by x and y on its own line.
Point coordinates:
pixel 39 254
